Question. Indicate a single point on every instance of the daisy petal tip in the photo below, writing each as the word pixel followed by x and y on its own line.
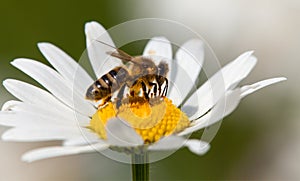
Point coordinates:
pixel 5 82
pixel 275 80
pixel 17 61
pixel 252 60
pixel 250 52
pixel 91 23
pixel 27 158
pixel 5 137
pixel 249 89
pixel 10 135
pixel 279 79
pixel 8 105
pixel 43 45
pixel 247 55
pixel 34 155
pixel 197 147
pixel 271 81
pixel 46 48
pixel 89 26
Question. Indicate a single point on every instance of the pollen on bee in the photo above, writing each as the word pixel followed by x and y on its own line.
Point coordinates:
pixel 152 120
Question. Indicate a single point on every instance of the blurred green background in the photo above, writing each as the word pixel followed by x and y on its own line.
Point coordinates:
pixel 260 140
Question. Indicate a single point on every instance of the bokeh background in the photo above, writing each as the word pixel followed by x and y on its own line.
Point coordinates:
pixel 260 140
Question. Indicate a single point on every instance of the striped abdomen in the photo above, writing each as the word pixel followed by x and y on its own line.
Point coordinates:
pixel 107 84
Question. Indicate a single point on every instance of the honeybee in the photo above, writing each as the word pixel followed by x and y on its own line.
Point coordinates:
pixel 143 78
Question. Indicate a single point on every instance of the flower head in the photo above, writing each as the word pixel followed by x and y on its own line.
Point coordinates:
pixel 160 123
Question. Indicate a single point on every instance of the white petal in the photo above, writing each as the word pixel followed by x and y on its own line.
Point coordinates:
pixel 191 53
pixel 45 134
pixel 37 97
pixel 37 110
pixel 27 115
pixel 225 79
pixel 86 138
pixel 188 62
pixel 79 141
pixel 248 89
pixel 53 82
pixel 22 119
pixel 159 47
pixel 220 110
pixel 66 66
pixel 120 133
pixel 8 105
pixel 227 104
pixel 168 143
pixel 239 69
pixel 97 51
pixel 50 152
pixel 31 94
pixel 197 146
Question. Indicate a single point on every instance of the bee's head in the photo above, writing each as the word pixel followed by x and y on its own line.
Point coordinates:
pixel 144 66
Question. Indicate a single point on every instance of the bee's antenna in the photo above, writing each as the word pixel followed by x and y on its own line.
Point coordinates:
pixel 106 44
pixel 119 54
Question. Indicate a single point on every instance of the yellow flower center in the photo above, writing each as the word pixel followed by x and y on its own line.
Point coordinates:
pixel 151 120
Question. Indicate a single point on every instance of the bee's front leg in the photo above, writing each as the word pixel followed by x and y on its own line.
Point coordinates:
pixel 136 88
pixel 104 101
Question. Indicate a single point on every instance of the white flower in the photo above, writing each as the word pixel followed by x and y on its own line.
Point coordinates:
pixel 62 113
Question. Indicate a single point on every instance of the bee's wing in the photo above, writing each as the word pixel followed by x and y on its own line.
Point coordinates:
pixel 120 55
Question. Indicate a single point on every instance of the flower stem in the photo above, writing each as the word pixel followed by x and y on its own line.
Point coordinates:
pixel 140 166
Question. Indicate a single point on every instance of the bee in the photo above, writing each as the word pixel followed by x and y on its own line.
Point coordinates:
pixel 142 77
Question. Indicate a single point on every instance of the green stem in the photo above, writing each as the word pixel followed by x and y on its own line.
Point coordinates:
pixel 140 166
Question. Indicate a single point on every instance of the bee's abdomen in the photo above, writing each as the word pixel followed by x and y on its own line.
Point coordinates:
pixel 113 73
pixel 107 80
pixel 114 79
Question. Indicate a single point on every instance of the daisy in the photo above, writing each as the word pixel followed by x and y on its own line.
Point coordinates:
pixel 61 112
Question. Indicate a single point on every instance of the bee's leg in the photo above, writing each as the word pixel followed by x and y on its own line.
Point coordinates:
pixel 159 82
pixel 120 95
pixel 154 85
pixel 164 93
pixel 136 88
pixel 104 101
pixel 155 89
pixel 133 88
pixel 144 88
pixel 159 89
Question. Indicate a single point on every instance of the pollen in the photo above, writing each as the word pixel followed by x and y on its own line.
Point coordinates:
pixel 100 118
pixel 152 120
